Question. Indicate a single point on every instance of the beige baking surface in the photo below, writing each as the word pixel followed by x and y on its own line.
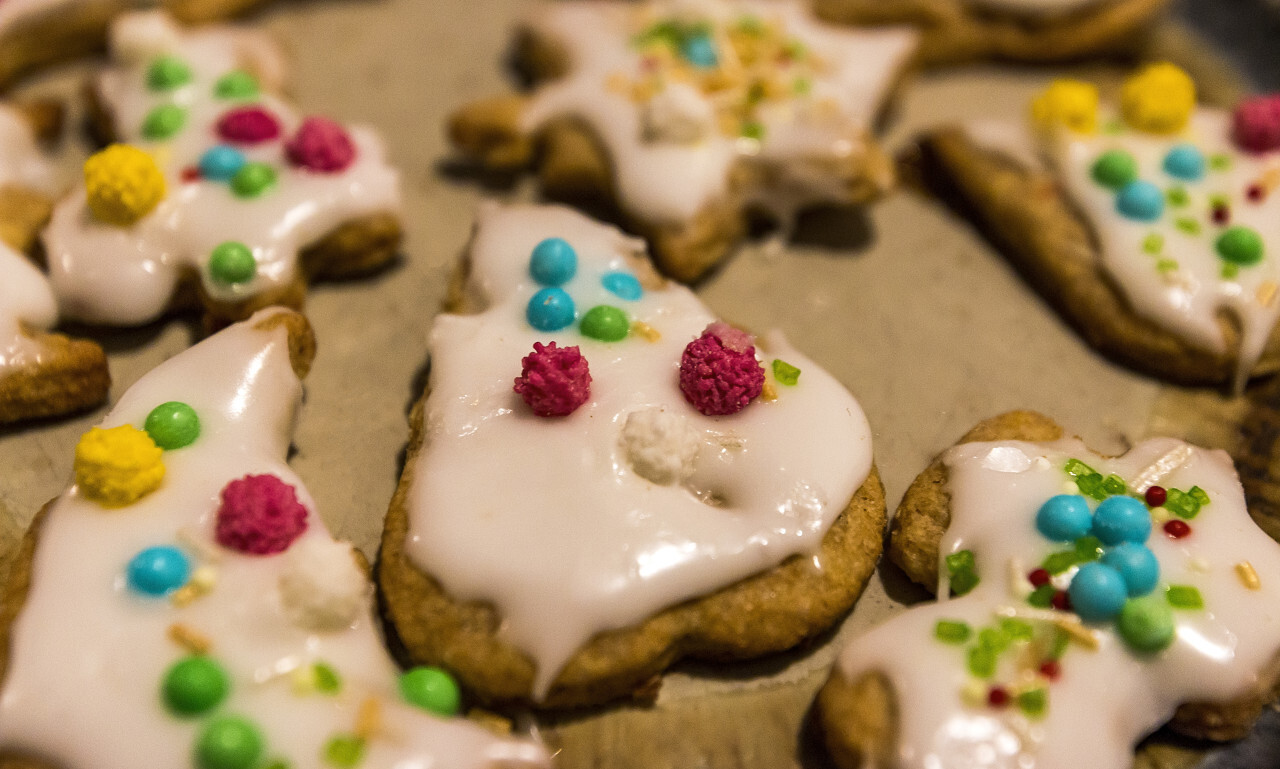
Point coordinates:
pixel 913 311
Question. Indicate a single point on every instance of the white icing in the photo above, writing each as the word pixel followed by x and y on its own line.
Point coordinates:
pixel 671 181
pixel 109 274
pixel 544 516
pixel 88 655
pixel 1105 700
pixel 26 304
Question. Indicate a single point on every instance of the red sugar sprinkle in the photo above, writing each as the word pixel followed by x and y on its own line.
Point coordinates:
pixel 259 515
pixel 554 381
pixel 1060 601
pixel 191 174
pixel 717 379
pixel 1255 193
pixel 1177 528
pixel 998 697
pixel 248 125
pixel 1038 577
pixel 1156 496
pixel 321 145
pixel 1257 123
pixel 1050 669
pixel 1221 215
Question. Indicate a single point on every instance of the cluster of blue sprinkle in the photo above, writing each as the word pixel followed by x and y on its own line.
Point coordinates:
pixel 553 263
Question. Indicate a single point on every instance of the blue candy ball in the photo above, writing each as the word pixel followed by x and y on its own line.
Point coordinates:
pixel 551 309
pixel 1097 592
pixel 158 570
pixel 700 51
pixel 1186 162
pixel 1064 518
pixel 221 162
pixel 1121 519
pixel 623 285
pixel 553 262
pixel 1140 200
pixel 1137 566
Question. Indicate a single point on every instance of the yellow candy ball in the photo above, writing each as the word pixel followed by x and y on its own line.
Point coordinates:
pixel 118 466
pixel 1159 99
pixel 123 184
pixel 1069 103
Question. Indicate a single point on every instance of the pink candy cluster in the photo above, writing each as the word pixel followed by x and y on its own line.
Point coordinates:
pixel 319 145
pixel 259 515
pixel 719 373
pixel 248 125
pixel 554 381
pixel 1257 123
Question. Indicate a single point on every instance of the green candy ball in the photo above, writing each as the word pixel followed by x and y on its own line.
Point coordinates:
pixel 1240 245
pixel 431 689
pixel 164 121
pixel 229 742
pixel 606 323
pixel 252 180
pixel 1115 169
pixel 168 72
pixel 236 84
pixel 173 425
pixel 1146 623
pixel 194 685
pixel 232 262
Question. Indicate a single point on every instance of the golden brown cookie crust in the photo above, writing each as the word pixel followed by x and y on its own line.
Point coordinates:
pixel 954 31
pixel 859 717
pixel 1027 214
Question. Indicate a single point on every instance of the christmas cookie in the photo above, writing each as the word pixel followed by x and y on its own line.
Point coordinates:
pixel 183 602
pixel 1018 30
pixel 603 479
pixel 41 374
pixel 221 195
pixel 1091 600
pixel 1150 225
pixel 688 114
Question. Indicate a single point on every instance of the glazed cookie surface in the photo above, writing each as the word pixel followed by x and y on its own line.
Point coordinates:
pixel 647 490
pixel 689 114
pixel 1089 595
pixel 222 193
pixel 184 597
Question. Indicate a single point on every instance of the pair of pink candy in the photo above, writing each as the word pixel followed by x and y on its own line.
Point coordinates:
pixel 319 145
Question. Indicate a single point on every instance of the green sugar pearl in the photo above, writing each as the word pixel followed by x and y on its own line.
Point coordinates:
pixel 164 121
pixel 1115 169
pixel 1146 624
pixel 194 685
pixel 785 373
pixel 167 73
pixel 431 689
pixel 236 84
pixel 606 323
pixel 232 263
pixel 952 631
pixel 344 751
pixel 229 742
pixel 1184 597
pixel 1240 245
pixel 252 180
pixel 173 425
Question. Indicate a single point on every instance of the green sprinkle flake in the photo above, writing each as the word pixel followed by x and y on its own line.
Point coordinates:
pixel 993 639
pixel 327 679
pixel 1188 225
pixel 1184 597
pixel 1075 468
pixel 1041 597
pixel 236 84
pixel 1199 495
pixel 1017 629
pixel 1092 485
pixel 1060 643
pixel 753 129
pixel 1166 265
pixel 1033 702
pixel 1182 504
pixel 163 122
pixel 1230 271
pixel 1088 548
pixel 961 560
pixel 1085 550
pixel 1056 563
pixel 981 662
pixel 963 581
pixel 1153 244
pixel 1114 485
pixel 1220 161
pixel 1177 197
pixel 785 373
pixel 952 631
pixel 1218 200
pixel 802 86
pixel 167 73
pixel 344 751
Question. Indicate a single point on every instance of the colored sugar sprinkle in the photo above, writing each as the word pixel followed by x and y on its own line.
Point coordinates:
pixel 1177 197
pixel 962 566
pixel 752 129
pixel 1184 504
pixel 1042 597
pixel 194 685
pixel 1061 600
pixel 327 680
pixel 1153 244
pixel 232 263
pixel 1075 468
pixel 550 309
pixel 1155 496
pixel 1085 550
pixel 1221 215
pixel 1034 702
pixel 163 122
pixel 1165 266
pixel 605 323
pixel 1184 597
pixel 1146 624
pixel 1240 245
pixel 1230 272
pixel 1248 575
pixel 158 570
pixel 1220 161
pixel 952 631
pixel 252 180
pixel 981 662
pixel 344 751
pixel 189 639
pixel 1091 485
pixel 554 381
pixel 719 374
pixel 1051 669
pixel 221 162
pixel 431 689
pixel 1038 577
pixel 623 285
pixel 553 262
pixel 167 73
pixel 173 425
pixel 321 145
pixel 1114 484
pixel 118 466
pixel 229 742
pixel 1188 225
pixel 998 697
pixel 785 373
pixel 1186 162
pixel 1140 200
pixel 1177 528
pixel 1115 169
pixel 259 515
pixel 236 84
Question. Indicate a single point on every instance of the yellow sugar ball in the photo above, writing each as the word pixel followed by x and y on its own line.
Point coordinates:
pixel 1158 99
pixel 118 466
pixel 123 184
pixel 1069 103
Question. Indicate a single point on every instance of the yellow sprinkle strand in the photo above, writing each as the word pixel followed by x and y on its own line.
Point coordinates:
pixel 1248 575
pixel 1267 293
pixel 189 639
pixel 202 581
pixel 369 719
pixel 767 393
pixel 645 331
pixel 1079 633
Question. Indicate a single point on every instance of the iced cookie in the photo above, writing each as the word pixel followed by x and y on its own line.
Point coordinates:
pixel 222 195
pixel 1018 30
pixel 41 374
pixel 1084 601
pixel 183 602
pixel 603 479
pixel 1149 225
pixel 688 114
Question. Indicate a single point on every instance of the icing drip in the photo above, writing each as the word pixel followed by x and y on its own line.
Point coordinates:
pixel 126 275
pixel 546 517
pixel 26 304
pixel 1098 687
pixel 812 109
pixel 88 653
